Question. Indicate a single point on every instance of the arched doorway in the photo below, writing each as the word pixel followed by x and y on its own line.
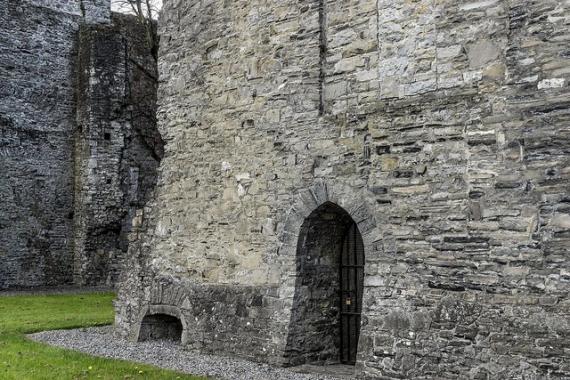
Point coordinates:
pixel 327 304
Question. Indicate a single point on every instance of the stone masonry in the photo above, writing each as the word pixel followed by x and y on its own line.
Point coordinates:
pixel 118 145
pixel 74 143
pixel 440 127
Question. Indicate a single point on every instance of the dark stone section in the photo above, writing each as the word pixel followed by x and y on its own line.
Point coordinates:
pixel 117 144
pixel 37 48
pixel 65 141
pixel 238 314
pixel 237 320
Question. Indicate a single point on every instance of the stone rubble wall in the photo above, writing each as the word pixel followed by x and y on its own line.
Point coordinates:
pixel 441 127
pixel 40 184
pixel 117 143
pixel 36 131
pixel 243 316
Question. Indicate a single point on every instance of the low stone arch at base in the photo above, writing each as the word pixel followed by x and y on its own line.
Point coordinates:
pixel 160 327
pixel 161 322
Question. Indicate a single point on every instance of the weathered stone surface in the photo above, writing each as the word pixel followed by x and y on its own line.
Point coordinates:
pixel 440 127
pixel 117 145
pixel 92 11
pixel 57 169
pixel 36 144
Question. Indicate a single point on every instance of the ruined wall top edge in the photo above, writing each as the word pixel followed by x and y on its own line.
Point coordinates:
pixel 94 11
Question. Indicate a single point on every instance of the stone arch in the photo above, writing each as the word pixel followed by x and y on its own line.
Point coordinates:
pixel 347 198
pixel 162 322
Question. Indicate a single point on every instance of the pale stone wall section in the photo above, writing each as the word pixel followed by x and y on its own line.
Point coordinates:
pixel 439 126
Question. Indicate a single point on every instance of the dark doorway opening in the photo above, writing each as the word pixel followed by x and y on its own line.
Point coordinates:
pixel 160 327
pixel 325 319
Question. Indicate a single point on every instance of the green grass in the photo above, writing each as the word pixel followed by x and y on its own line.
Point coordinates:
pixel 21 358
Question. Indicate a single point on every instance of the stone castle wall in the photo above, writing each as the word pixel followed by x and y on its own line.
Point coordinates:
pixel 37 123
pixel 42 129
pixel 117 142
pixel 441 127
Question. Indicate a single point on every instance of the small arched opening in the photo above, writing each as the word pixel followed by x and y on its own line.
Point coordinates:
pixel 160 327
pixel 327 304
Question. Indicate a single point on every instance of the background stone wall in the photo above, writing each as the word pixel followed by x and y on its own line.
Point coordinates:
pixel 40 139
pixel 441 127
pixel 37 123
pixel 117 144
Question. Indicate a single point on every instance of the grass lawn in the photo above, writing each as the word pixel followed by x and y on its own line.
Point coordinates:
pixel 21 358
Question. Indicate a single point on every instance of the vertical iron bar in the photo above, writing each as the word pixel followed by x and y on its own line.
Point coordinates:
pixel 322 55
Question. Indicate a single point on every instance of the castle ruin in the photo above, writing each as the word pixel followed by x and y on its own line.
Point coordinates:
pixel 371 182
pixel 377 183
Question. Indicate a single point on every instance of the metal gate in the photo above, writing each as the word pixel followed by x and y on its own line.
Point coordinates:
pixel 351 285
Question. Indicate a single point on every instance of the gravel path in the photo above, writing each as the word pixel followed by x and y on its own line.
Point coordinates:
pixel 99 341
pixel 55 290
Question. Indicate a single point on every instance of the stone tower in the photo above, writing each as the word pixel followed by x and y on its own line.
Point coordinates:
pixel 378 183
